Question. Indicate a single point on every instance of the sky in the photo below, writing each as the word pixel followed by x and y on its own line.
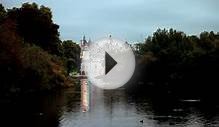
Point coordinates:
pixel 130 20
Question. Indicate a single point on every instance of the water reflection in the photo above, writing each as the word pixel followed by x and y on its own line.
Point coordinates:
pixel 112 108
pixel 85 95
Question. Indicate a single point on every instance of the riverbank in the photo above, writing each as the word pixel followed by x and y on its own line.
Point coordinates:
pixel 17 97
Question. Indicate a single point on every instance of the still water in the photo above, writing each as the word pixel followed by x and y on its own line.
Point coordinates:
pixel 106 109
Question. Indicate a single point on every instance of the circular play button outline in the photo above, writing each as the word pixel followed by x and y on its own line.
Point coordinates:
pixel 109 63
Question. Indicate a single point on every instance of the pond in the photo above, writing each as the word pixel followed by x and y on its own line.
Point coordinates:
pixel 114 108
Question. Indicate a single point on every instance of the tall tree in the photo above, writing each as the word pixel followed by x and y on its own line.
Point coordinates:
pixel 36 26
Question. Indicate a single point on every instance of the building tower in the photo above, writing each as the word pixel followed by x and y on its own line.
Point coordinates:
pixel 84 54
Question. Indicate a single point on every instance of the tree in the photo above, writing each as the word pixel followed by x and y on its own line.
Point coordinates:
pixel 28 36
pixel 35 25
pixel 10 49
pixel 71 52
pixel 2 13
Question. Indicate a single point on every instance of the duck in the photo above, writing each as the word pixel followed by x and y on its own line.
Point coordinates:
pixel 141 121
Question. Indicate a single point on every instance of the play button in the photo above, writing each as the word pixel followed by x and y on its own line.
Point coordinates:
pixel 108 63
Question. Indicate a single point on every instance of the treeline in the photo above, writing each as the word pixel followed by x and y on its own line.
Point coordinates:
pixel 32 56
pixel 172 62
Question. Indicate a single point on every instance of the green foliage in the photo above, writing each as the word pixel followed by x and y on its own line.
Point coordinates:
pixel 71 53
pixel 41 69
pixel 37 68
pixel 35 25
pixel 31 55
pixel 175 46
pixel 179 62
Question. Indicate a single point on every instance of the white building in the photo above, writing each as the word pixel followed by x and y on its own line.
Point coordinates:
pixel 84 44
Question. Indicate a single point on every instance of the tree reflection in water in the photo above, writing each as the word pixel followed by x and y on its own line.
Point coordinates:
pixel 108 108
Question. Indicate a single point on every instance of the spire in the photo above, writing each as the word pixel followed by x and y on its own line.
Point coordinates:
pixel 83 41
pixel 110 38
pixel 84 38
